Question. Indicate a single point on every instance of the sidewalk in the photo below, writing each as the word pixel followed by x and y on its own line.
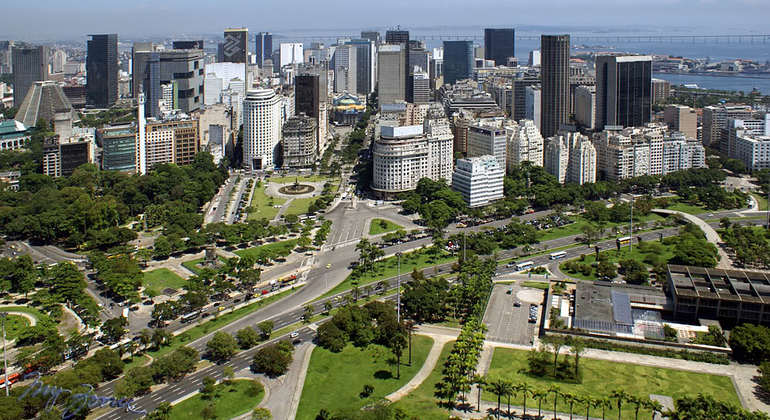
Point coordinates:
pixel 430 363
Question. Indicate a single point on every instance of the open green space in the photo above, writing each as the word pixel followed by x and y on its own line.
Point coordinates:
pixel 421 403
pixel 535 284
pixel 304 178
pixel 282 248
pixel 262 205
pixel 14 324
pixel 580 223
pixel 156 281
pixel 213 324
pixel 193 265
pixel 334 380
pixel 300 206
pixel 761 200
pixel 239 397
pixel 135 361
pixel 660 252
pixel 378 226
pixel 37 314
pixel 388 268
pixel 600 378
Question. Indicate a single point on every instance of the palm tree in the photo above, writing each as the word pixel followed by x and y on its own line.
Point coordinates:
pixel 410 328
pixel 604 403
pixel 578 348
pixel 655 407
pixel 620 396
pixel 328 307
pixel 553 389
pixel 570 399
pixel 638 403
pixel 510 390
pixel 526 391
pixel 589 403
pixel 497 386
pixel 479 381
pixel 539 395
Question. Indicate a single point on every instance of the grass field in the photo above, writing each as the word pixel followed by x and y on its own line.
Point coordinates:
pixel 300 206
pixel 378 226
pixel 600 378
pixel 37 314
pixel 281 248
pixel 388 267
pixel 156 281
pixel 577 227
pixel 334 380
pixel 262 205
pixel 229 401
pixel 421 403
pixel 625 253
pixel 762 201
pixel 535 284
pixel 14 324
pixel 134 361
pixel 193 265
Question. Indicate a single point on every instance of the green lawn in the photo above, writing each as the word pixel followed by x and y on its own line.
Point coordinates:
pixel 577 227
pixel 613 257
pixel 229 401
pixel 262 205
pixel 378 226
pixel 334 380
pixel 306 178
pixel 135 361
pixel 156 281
pixel 27 310
pixel 280 248
pixel 762 200
pixel 600 378
pixel 421 403
pixel 193 265
pixel 299 206
pixel 535 284
pixel 14 324
pixel 388 268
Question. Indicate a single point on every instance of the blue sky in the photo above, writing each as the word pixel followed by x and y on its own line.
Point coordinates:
pixel 51 19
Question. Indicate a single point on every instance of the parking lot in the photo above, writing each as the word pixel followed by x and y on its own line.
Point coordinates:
pixel 507 322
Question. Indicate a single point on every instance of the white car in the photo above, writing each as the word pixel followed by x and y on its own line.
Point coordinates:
pixel 294 334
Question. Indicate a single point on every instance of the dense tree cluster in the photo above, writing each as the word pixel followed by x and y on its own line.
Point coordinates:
pixel 360 325
pixel 120 273
pixel 222 346
pixel 486 242
pixel 273 360
pixel 750 343
pixel 460 366
pixel 751 246
pixel 706 407
pixel 356 139
pixel 172 366
pixel 89 207
pixel 435 201
pixel 692 248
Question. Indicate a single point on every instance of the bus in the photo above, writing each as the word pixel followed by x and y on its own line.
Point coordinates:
pixel 522 265
pixel 624 240
pixel 557 255
pixel 189 317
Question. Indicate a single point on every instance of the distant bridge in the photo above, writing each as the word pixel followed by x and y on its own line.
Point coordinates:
pixel 575 39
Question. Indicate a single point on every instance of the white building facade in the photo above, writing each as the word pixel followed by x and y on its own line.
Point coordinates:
pixel 262 110
pixel 571 157
pixel 524 144
pixel 479 180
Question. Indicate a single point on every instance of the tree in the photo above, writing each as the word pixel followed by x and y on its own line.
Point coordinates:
pixel 209 412
pixel 526 390
pixel 556 391
pixel 161 412
pixel 162 248
pixel 114 329
pixel 222 346
pixel 261 413
pixel 578 348
pixel 209 387
pixel 750 343
pixel 273 360
pixel 229 374
pixel 307 314
pixel 328 306
pixel 606 270
pixel 570 399
pixel 620 396
pixel 266 327
pixel 247 338
pixel 539 395
pixel 655 407
pixel 331 337
pixel 555 343
pixel 161 337
pixel 499 387
pixel 480 381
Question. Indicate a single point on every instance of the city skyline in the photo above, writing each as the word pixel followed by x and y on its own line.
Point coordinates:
pixel 149 19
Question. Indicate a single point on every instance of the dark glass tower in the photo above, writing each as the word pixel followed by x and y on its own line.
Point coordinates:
pixel 102 70
pixel 554 74
pixel 458 60
pixel 623 90
pixel 263 47
pixel 30 65
pixel 499 45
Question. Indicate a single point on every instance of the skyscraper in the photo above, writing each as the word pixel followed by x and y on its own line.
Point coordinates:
pixel 236 46
pixel 30 65
pixel 182 69
pixel 261 129
pixel 458 60
pixel 554 75
pixel 396 36
pixel 263 47
pixel 373 36
pixel 623 90
pixel 188 45
pixel 391 70
pixel 102 70
pixel 366 64
pixel 345 63
pixel 499 45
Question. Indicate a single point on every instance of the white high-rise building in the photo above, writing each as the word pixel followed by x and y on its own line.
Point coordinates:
pixel 754 151
pixel 532 104
pixel 585 106
pixel 212 89
pixel 534 58
pixel 524 144
pixel 58 62
pixel 681 153
pixel 488 138
pixel 261 129
pixel 570 157
pixel 345 71
pixel 291 53
pixel 440 140
pixel 479 180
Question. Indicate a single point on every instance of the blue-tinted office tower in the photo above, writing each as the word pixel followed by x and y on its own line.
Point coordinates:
pixel 102 70
pixel 458 60
pixel 499 45
pixel 263 47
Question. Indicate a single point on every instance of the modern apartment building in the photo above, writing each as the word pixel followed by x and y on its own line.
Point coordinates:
pixel 524 144
pixel 479 180
pixel 554 75
pixel 299 142
pixel 623 90
pixel 754 127
pixel 715 122
pixel 571 157
pixel 682 119
pixel 261 129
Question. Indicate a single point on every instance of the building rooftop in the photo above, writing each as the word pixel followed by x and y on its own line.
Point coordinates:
pixel 11 127
pixel 713 283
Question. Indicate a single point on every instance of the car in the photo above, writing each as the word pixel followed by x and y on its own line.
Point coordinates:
pixel 294 334
pixel 147 302
pixel 328 266
pixel 509 291
pixel 517 304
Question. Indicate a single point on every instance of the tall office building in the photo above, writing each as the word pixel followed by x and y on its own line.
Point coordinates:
pixel 499 45
pixel 181 70
pixel 30 65
pixel 585 106
pixel 570 157
pixel 391 82
pixel 533 98
pixel 554 75
pixel 682 119
pixel 396 36
pixel 6 56
pixel 58 61
pixel 306 94
pixel 715 121
pixel 261 129
pixel 366 65
pixel 236 46
pixel 188 45
pixel 263 47
pixel 458 60
pixel 420 86
pixel 299 142
pixel 373 36
pixel 102 70
pixel 345 68
pixel 488 139
pixel 291 53
pixel 623 90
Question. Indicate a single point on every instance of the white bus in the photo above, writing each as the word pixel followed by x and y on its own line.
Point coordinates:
pixel 522 265
pixel 557 255
pixel 189 317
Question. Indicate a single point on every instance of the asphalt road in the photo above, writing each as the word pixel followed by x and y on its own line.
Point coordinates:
pixel 220 201
pixel 508 323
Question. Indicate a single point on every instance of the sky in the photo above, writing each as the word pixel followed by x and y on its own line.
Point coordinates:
pixel 57 19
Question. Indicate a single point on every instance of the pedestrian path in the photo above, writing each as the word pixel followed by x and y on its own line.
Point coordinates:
pixel 430 363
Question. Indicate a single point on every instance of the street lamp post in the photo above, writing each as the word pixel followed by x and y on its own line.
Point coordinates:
pixel 398 290
pixel 3 315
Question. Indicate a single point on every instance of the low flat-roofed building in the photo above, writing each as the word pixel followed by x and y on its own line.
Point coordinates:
pixel 727 295
pixel 609 308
